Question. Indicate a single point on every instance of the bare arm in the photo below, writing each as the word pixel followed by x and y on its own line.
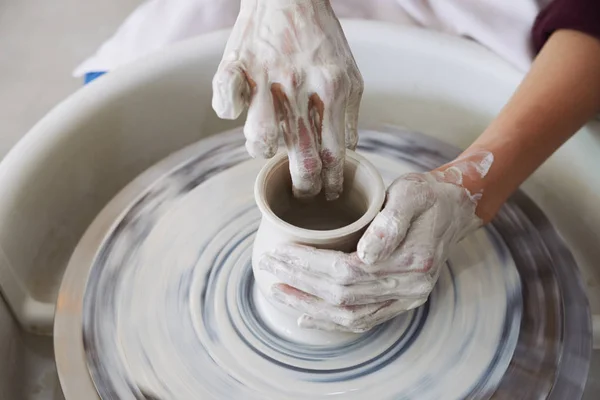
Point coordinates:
pixel 557 97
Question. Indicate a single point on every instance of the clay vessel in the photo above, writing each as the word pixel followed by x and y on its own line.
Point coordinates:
pixel 336 225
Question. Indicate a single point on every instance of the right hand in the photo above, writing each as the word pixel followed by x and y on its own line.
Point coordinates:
pixel 290 63
pixel 398 259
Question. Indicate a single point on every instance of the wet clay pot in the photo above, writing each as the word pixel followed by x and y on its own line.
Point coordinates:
pixel 336 225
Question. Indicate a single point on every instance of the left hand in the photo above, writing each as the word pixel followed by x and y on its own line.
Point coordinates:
pixel 397 263
pixel 290 64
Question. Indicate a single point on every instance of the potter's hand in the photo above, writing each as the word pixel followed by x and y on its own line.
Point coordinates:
pixel 398 259
pixel 289 62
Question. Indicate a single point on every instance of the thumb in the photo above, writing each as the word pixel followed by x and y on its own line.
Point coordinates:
pixel 384 235
pixel 231 90
pixel 408 197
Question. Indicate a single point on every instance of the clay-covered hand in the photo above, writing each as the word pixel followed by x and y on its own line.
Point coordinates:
pixel 397 262
pixel 288 61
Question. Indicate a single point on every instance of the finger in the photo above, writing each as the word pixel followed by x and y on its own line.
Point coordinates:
pixel 262 128
pixel 331 87
pixel 384 234
pixel 333 266
pixel 352 109
pixel 359 319
pixel 305 321
pixel 333 150
pixel 296 299
pixel 401 287
pixel 351 318
pixel 231 90
pixel 345 280
pixel 376 290
pixel 418 251
pixel 290 296
pixel 406 200
pixel 301 280
pixel 384 314
pixel 406 260
pixel 320 309
pixel 301 143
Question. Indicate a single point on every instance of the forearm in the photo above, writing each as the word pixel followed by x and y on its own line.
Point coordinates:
pixel 557 97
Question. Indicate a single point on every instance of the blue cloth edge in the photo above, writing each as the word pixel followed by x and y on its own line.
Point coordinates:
pixel 90 76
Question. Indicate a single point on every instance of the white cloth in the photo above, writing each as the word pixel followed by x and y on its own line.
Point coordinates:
pixel 502 26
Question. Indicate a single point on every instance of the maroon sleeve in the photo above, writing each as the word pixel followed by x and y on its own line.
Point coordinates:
pixel 579 15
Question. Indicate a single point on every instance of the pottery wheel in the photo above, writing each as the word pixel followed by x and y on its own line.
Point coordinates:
pixel 169 313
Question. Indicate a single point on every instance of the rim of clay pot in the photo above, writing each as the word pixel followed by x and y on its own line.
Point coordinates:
pixel 375 202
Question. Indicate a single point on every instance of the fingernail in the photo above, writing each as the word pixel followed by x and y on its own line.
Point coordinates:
pixel 256 148
pixel 269 151
pixel 369 249
pixel 305 192
pixel 306 322
pixel 277 293
pixel 367 257
pixel 265 263
pixel 306 182
pixel 330 196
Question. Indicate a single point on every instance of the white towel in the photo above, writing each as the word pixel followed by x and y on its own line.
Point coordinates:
pixel 503 26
